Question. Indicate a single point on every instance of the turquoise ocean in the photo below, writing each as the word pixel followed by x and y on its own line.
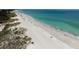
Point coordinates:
pixel 63 19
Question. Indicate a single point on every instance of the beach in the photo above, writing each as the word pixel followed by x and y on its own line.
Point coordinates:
pixel 45 37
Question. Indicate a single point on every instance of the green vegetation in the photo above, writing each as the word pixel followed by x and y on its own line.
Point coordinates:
pixel 12 38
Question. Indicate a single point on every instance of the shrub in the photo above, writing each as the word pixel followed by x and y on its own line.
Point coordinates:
pixel 12 40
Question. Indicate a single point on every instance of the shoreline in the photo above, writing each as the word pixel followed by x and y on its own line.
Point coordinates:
pixel 48 27
pixel 65 37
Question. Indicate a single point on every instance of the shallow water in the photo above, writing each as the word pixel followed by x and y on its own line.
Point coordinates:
pixel 66 20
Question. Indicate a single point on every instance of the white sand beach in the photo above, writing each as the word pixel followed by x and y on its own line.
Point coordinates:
pixel 45 37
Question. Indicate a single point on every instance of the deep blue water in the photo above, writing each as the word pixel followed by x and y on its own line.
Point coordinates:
pixel 66 20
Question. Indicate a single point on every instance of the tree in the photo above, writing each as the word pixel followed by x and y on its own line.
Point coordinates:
pixel 5 15
pixel 12 38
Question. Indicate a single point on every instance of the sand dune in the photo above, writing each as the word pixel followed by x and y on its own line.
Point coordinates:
pixel 45 37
